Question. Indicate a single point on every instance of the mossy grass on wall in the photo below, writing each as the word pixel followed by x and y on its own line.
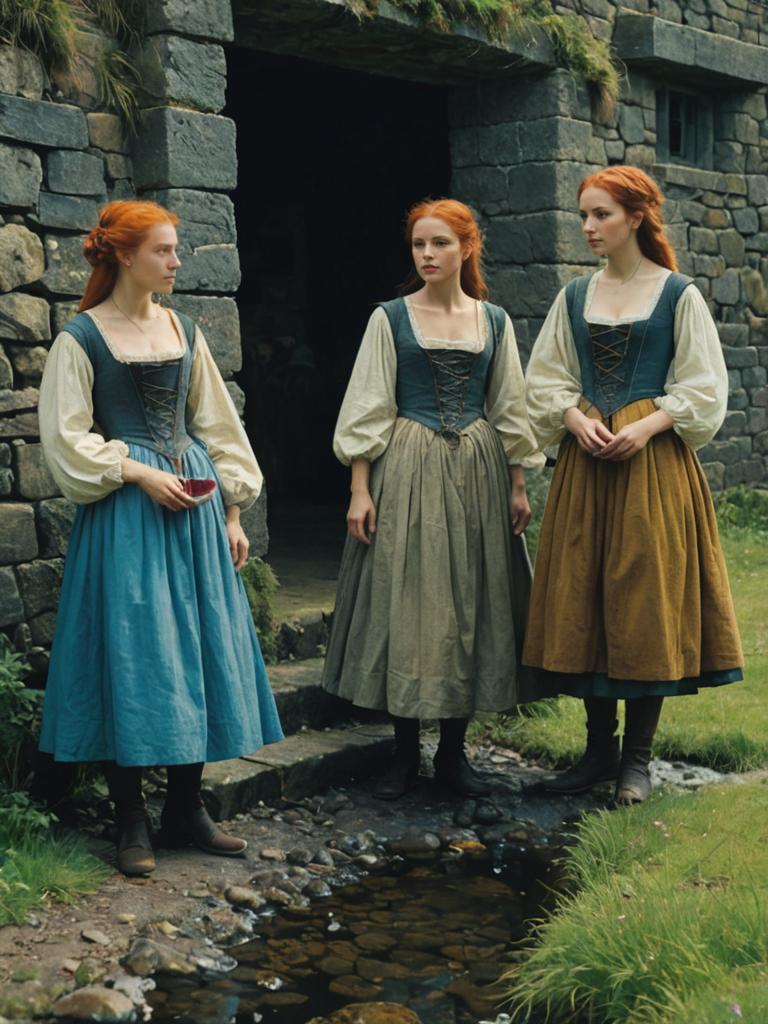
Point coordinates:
pixel 577 48
pixel 53 29
pixel 669 920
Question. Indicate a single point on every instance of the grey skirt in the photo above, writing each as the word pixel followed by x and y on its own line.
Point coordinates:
pixel 430 617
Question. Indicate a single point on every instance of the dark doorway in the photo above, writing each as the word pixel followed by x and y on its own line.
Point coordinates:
pixel 329 160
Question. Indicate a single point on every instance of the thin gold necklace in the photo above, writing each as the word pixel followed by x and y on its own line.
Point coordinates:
pixel 128 318
pixel 628 279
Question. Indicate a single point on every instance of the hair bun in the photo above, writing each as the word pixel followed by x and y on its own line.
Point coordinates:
pixel 97 248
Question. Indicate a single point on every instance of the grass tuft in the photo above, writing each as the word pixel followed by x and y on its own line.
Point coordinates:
pixel 670 919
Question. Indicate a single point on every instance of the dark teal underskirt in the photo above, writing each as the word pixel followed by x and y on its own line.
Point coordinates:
pixel 598 684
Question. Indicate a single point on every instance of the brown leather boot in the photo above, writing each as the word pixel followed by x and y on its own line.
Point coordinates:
pixel 134 847
pixel 600 761
pixel 196 828
pixel 642 718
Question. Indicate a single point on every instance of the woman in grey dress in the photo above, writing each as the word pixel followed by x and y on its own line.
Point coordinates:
pixel 435 577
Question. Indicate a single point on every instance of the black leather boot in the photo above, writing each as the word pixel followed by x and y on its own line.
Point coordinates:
pixel 600 761
pixel 135 855
pixel 452 770
pixel 642 718
pixel 402 775
pixel 184 820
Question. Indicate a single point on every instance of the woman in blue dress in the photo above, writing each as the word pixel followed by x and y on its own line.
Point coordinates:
pixel 155 659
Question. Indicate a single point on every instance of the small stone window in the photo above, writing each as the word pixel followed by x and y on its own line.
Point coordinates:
pixel 684 128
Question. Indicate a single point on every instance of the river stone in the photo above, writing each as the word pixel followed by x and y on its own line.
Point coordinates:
pixel 370 1013
pixel 224 927
pixel 241 896
pixel 352 987
pixel 21 257
pixel 95 1003
pixel 317 888
pixel 43 123
pixel 68 271
pixel 299 855
pixel 415 844
pixel 18 539
pixel 20 176
pixel 24 318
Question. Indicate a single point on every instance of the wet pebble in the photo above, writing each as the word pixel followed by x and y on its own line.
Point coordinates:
pixel 272 853
pixel 317 888
pixel 95 936
pixel 299 855
pixel 416 844
pixel 465 813
pixel 324 857
pixel 242 896
pixel 487 813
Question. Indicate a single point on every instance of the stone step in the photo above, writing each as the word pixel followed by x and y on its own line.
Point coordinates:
pixel 299 766
pixel 301 700
pixel 304 634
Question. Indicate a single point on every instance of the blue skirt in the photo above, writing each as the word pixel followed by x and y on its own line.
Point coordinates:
pixel 155 660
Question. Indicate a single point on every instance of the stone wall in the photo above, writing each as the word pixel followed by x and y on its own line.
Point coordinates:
pixel 61 158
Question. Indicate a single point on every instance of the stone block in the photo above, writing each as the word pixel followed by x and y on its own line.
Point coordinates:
pixel 219 321
pixel 20 176
pixel 735 423
pixel 738 397
pixel 704 240
pixel 19 400
pixel 6 371
pixel 529 291
pixel 554 138
pixel 498 144
pixel 73 173
pixel 105 131
pixel 21 73
pixel 39 584
pixel 211 20
pixel 173 69
pixel 735 335
pixel 755 291
pixel 118 166
pixel 757 420
pixel 692 211
pixel 24 425
pixel 556 94
pixel 185 149
pixel 63 312
pixel 732 246
pixel 726 289
pixel 761 443
pixel 28 363
pixel 207 239
pixel 738 358
pixel 758 242
pixel 480 186
pixel 631 124
pixel 24 318
pixel 548 237
pixel 21 257
pixel 11 607
pixel 74 213
pixel 614 151
pixel 43 124
pixel 754 376
pixel 726 452
pixel 237 395
pixel 464 145
pixel 715 474
pixel 67 271
pixel 760 398
pixel 757 189
pixel 254 522
pixel 33 478
pixel 717 218
pixel 54 518
pixel 730 156
pixel 746 220
pixel 18 540
pixel 43 628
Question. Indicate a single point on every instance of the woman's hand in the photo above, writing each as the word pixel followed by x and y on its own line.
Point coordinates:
pixel 361 516
pixel 520 508
pixel 591 435
pixel 238 542
pixel 164 488
pixel 627 442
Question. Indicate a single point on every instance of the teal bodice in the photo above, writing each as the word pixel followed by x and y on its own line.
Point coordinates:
pixel 139 402
pixel 442 388
pixel 621 363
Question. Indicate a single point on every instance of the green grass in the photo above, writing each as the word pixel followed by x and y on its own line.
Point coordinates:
pixel 36 867
pixel 725 728
pixel 669 921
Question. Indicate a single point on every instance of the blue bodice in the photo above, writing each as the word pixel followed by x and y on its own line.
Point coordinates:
pixel 139 402
pixel 442 388
pixel 621 363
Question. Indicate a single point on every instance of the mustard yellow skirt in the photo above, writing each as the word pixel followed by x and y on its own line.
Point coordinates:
pixel 630 591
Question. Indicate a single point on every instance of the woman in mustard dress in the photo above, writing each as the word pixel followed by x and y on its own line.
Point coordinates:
pixel 630 594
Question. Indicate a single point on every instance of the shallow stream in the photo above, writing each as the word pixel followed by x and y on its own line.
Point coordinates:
pixel 432 937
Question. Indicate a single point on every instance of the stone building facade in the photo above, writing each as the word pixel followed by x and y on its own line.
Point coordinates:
pixel 521 133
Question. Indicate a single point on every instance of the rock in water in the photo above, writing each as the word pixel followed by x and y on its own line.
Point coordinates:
pixel 97 1004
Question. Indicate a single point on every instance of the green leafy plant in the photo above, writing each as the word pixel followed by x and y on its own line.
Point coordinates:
pixel 20 709
pixel 260 587
pixel 743 509
pixel 576 47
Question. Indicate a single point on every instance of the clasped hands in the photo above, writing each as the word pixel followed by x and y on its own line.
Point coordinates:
pixel 596 439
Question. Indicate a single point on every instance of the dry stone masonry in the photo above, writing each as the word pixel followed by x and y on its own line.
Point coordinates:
pixel 523 133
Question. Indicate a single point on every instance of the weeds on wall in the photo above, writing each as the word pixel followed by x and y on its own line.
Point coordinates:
pixel 53 30
pixel 260 587
pixel 575 45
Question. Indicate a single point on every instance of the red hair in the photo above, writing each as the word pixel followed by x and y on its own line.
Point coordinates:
pixel 637 192
pixel 123 226
pixel 461 221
